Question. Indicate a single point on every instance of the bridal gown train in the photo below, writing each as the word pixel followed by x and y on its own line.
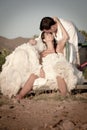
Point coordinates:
pixel 23 61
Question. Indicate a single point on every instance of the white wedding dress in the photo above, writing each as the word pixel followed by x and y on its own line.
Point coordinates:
pixel 54 65
pixel 24 60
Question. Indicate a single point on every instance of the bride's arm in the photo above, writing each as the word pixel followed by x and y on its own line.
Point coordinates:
pixel 32 41
pixel 65 36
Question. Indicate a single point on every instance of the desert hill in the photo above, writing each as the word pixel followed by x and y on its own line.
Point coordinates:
pixel 11 44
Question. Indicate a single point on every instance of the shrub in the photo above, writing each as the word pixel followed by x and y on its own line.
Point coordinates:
pixel 3 55
pixel 85 73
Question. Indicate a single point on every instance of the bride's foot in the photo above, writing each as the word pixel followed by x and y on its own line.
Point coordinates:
pixel 15 100
pixel 18 97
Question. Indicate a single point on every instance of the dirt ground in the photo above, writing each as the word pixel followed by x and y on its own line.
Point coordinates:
pixel 45 111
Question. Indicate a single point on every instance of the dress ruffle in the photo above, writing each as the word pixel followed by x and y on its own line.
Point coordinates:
pixel 56 65
pixel 23 61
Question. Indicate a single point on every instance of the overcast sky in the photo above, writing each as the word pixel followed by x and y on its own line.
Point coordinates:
pixel 22 17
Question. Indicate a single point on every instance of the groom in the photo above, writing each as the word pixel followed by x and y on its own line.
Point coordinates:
pixel 49 24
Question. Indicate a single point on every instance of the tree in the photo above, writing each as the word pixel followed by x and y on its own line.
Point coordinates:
pixel 84 33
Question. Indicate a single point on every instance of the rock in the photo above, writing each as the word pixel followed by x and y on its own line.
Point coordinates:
pixel 68 125
pixel 84 127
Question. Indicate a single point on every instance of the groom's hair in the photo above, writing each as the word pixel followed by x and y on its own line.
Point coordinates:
pixel 46 23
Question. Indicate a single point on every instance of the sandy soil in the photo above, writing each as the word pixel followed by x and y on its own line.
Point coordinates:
pixel 45 111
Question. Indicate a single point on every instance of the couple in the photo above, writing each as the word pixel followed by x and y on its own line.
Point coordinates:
pixel 49 24
pixel 27 73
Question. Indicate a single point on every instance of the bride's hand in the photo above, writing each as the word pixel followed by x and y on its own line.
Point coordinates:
pixel 56 19
pixel 32 41
pixel 42 73
pixel 46 52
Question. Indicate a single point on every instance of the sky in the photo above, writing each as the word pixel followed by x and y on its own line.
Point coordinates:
pixel 21 18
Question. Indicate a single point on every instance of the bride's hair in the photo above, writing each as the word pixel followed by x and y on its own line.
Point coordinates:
pixel 43 37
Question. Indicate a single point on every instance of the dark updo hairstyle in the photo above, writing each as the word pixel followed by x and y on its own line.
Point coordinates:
pixel 46 23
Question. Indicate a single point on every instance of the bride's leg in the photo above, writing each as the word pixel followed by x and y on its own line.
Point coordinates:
pixel 27 87
pixel 62 86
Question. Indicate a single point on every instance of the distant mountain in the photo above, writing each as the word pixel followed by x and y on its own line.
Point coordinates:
pixel 11 44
